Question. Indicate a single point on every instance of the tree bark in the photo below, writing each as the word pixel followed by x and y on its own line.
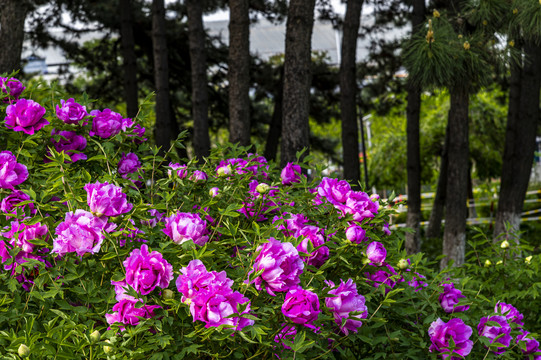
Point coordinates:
pixel 522 123
pixel 129 59
pixel 198 60
pixel 454 235
pixel 433 229
pixel 275 128
pixel 348 91
pixel 165 130
pixel 239 72
pixel 12 16
pixel 297 79
pixel 413 111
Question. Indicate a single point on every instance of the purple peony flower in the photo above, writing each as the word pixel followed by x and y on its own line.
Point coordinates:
pixel 291 173
pixel 106 123
pixel 376 253
pixel 314 235
pixel 417 283
pixel 11 172
pixel 450 297
pixel 120 290
pixel 11 86
pixel 128 164
pixel 347 303
pixel 301 306
pixel 215 306
pixel 26 116
pixel 441 334
pixel 510 312
pixel 80 232
pixel 293 224
pixel 126 312
pixel 145 270
pixel 281 265
pixel 181 170
pixel 156 218
pixel 383 277
pixel 195 278
pixel 386 229
pixel 106 199
pixel 531 345
pixel 20 234
pixel 356 234
pixel 12 201
pixel 68 142
pixel 182 227
pixel 214 191
pixel 71 112
pixel 223 170
pixel 288 333
pixel 335 191
pixel 502 331
pixel 359 205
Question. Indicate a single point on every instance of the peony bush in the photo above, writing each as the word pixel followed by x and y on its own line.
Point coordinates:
pixel 113 250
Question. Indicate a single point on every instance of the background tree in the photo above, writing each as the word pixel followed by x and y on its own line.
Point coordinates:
pixel 348 91
pixel 128 58
pixel 239 72
pixel 12 16
pixel 297 77
pixel 198 61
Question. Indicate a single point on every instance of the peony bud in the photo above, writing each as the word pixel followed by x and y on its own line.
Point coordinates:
pixel 262 188
pixel 168 294
pixel 107 349
pixel 488 263
pixel 214 192
pixel 23 351
pixel 436 14
pixel 403 264
pixel 505 244
pixel 466 45
pixel 499 262
pixel 95 336
pixel 224 171
pixel 528 259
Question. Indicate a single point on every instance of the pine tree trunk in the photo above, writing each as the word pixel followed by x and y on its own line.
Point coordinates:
pixel 129 59
pixel 297 79
pixel 348 91
pixel 12 16
pixel 165 131
pixel 413 241
pixel 198 61
pixel 522 123
pixel 239 72
pixel 275 128
pixel 433 229
pixel 454 235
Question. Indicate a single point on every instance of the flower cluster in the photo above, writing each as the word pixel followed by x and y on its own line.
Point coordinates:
pixel 346 303
pixel 106 199
pixel 211 298
pixel 80 232
pixel 182 227
pixel 146 270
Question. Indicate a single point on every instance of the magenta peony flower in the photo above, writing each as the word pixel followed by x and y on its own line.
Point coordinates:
pixel 69 141
pixel 301 306
pixel 26 116
pixel 181 170
pixel 281 265
pixel 335 191
pixel 214 191
pixel 11 86
pixel 106 123
pixel 510 312
pixel 106 199
pixel 359 205
pixel 120 290
pixel 313 234
pixel 293 224
pixel 383 277
pixel 155 219
pixel 20 234
pixel 12 201
pixel 182 227
pixel 80 232
pixel 532 345
pixel 356 234
pixel 441 334
pixel 290 174
pixel 450 297
pixel 502 332
pixel 145 270
pixel 376 253
pixel 71 112
pixel 126 312
pixel 11 172
pixel 215 306
pixel 347 303
pixel 128 164
pixel 288 332
pixel 417 283
pixel 195 278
